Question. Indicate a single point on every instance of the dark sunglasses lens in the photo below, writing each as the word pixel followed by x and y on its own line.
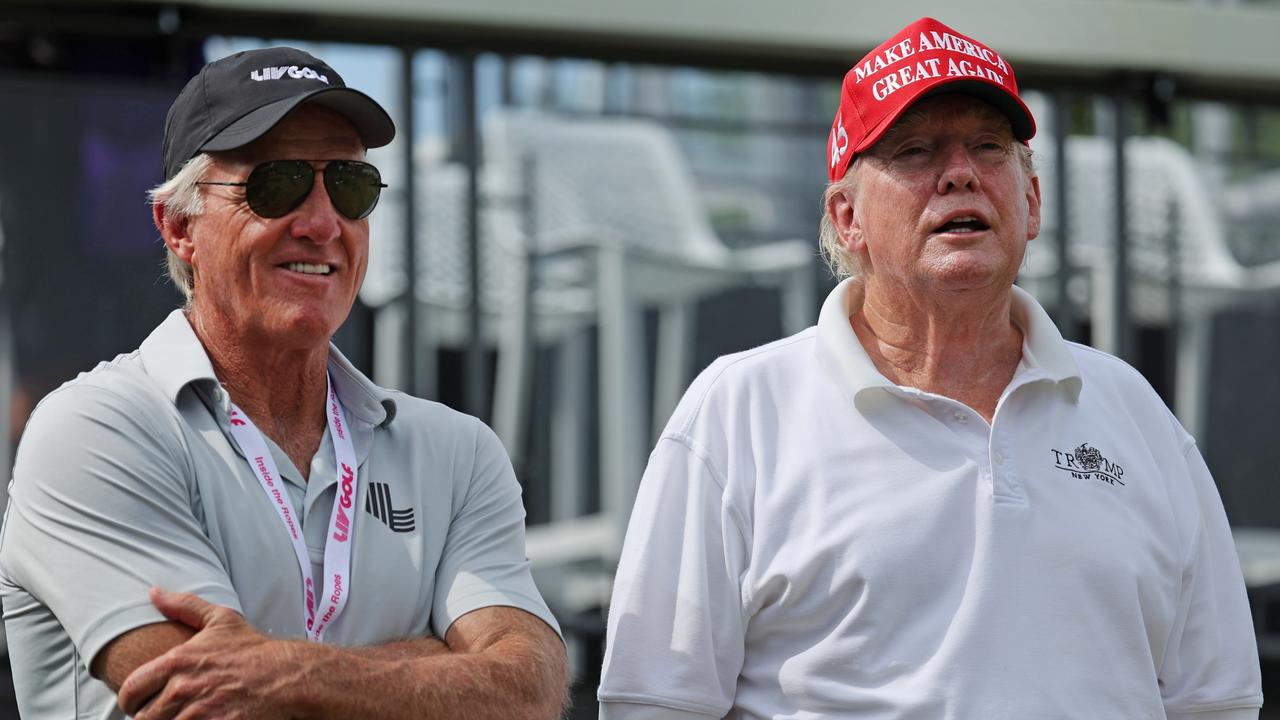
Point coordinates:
pixel 274 189
pixel 354 187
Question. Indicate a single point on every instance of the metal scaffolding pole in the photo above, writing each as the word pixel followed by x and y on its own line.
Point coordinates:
pixel 1121 330
pixel 1065 312
pixel 412 378
pixel 475 398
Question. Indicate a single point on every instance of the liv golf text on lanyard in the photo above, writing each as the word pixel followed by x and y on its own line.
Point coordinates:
pixel 342 524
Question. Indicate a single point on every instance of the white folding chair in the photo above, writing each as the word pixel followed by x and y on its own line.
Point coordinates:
pixel 584 222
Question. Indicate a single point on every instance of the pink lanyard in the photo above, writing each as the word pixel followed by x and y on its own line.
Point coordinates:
pixel 342 524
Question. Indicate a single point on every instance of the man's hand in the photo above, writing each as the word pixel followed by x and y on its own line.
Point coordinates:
pixel 226 670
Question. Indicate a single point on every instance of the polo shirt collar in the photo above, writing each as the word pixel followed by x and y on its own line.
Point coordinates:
pixel 1043 349
pixel 360 397
pixel 839 347
pixel 1045 355
pixel 174 358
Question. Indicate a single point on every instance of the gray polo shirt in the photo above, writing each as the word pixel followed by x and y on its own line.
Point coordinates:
pixel 127 477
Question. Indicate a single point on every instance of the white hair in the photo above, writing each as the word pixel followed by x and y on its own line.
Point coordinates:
pixel 839 261
pixel 180 197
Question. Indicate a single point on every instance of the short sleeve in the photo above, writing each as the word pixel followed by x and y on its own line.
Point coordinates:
pixel 1210 669
pixel 675 638
pixel 101 510
pixel 483 563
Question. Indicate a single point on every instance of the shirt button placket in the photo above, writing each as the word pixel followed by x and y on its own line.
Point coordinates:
pixel 1003 475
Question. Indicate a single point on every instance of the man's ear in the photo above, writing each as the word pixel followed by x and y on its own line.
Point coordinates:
pixel 175 231
pixel 845 221
pixel 1033 207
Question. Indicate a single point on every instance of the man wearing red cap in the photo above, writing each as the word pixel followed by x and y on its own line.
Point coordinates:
pixel 929 505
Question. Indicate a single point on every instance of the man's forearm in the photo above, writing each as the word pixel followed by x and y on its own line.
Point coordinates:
pixel 402 649
pixel 124 654
pixel 515 678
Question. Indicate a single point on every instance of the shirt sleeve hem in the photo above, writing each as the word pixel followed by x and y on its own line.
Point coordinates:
pixel 120 621
pixel 469 603
pixel 643 708
pixel 1248 712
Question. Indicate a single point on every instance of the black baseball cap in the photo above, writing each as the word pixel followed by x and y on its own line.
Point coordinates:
pixel 235 100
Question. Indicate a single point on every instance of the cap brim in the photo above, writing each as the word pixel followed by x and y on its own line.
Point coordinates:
pixel 372 122
pixel 1020 119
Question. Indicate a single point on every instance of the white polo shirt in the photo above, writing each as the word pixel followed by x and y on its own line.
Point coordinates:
pixel 127 477
pixel 811 541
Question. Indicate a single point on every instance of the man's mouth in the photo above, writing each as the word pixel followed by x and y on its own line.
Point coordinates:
pixel 963 224
pixel 309 268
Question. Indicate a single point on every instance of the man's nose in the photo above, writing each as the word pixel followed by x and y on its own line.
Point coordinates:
pixel 316 219
pixel 958 172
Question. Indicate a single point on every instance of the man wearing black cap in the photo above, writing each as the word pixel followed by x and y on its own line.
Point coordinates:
pixel 232 521
pixel 929 505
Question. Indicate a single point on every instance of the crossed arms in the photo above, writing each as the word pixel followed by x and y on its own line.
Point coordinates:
pixel 207 661
pixel 115 509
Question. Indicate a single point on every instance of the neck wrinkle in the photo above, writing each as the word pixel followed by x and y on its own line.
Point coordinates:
pixel 963 344
pixel 282 389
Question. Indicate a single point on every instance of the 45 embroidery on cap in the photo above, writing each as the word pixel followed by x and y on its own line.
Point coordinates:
pixel 839 140
pixel 1087 462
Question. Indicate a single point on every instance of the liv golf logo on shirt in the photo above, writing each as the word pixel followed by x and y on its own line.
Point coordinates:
pixel 1087 462
pixel 378 504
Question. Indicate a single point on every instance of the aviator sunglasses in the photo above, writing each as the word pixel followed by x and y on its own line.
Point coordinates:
pixel 274 189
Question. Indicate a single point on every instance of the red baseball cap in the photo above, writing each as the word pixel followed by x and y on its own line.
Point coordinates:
pixel 925 58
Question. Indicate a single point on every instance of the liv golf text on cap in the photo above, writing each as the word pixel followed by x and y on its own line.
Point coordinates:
pixel 233 101
pixel 924 58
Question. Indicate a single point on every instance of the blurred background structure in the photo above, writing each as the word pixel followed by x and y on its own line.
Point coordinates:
pixel 589 201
